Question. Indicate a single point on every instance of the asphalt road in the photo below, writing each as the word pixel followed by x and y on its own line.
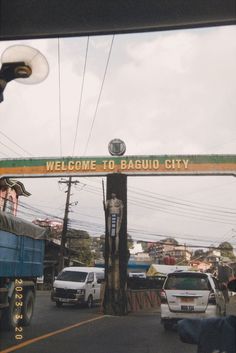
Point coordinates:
pixel 80 330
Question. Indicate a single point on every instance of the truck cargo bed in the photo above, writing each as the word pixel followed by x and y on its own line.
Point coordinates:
pixel 21 248
pixel 20 256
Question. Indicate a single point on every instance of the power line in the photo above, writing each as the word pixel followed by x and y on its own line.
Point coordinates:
pixel 5 155
pixel 188 215
pixel 10 149
pixel 81 95
pixel 99 97
pixel 148 203
pixel 59 93
pixel 173 201
pixel 177 236
pixel 181 201
pixel 200 213
pixel 182 211
pixel 98 227
pixel 16 144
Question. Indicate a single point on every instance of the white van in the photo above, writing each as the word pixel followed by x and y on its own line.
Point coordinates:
pixel 78 285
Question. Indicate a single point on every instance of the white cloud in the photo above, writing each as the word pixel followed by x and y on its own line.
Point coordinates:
pixel 165 93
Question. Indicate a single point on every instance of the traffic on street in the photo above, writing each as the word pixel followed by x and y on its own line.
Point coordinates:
pixel 82 330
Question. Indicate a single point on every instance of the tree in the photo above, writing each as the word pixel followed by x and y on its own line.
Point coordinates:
pixel 80 241
pixel 144 245
pixel 226 250
pixel 169 241
pixel 130 241
pixel 199 254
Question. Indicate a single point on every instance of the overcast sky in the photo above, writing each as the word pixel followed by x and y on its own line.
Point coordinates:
pixel 169 92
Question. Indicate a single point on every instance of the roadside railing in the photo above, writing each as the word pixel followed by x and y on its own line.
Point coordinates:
pixel 143 299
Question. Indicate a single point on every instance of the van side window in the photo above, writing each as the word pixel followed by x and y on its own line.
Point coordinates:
pixel 100 275
pixel 91 277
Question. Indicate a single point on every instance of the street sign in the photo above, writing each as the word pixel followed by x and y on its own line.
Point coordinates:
pixel 128 165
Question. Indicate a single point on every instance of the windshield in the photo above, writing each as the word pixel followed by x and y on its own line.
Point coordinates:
pixel 72 276
pixel 187 282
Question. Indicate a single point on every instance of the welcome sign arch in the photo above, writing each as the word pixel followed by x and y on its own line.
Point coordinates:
pixel 128 165
pixel 117 169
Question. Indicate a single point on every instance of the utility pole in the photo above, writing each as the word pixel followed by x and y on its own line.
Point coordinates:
pixel 65 221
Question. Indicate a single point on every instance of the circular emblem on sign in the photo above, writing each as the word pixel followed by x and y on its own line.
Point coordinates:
pixel 116 147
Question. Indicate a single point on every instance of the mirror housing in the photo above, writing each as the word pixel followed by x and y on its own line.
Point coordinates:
pixel 100 280
pixel 232 285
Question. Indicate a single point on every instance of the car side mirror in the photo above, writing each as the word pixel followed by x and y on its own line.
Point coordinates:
pixel 100 280
pixel 232 285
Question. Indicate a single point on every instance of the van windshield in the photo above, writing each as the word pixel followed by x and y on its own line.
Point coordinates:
pixel 72 276
pixel 184 281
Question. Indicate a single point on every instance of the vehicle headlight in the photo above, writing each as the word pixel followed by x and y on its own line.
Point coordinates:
pixel 54 289
pixel 80 291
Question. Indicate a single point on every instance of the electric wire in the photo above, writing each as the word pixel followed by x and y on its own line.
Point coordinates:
pixel 59 94
pixel 185 208
pixel 92 226
pixel 173 200
pixel 81 96
pixel 195 214
pixel 97 191
pixel 99 96
pixel 180 201
pixel 165 202
pixel 16 144
pixel 10 149
pixel 182 213
pixel 163 209
pixel 133 231
pixel 5 155
pixel 97 227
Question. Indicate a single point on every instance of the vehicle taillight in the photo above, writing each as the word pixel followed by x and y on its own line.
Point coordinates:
pixel 212 298
pixel 163 297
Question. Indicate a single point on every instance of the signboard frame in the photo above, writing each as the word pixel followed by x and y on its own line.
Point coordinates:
pixel 141 165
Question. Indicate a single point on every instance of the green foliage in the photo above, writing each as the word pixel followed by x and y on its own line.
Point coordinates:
pixel 226 250
pixel 170 240
pixel 129 241
pixel 79 242
pixel 199 255
pixel 144 245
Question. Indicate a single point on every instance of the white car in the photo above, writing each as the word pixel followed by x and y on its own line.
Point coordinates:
pixel 190 295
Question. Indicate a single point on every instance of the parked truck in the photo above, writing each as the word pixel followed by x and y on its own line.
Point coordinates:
pixel 21 262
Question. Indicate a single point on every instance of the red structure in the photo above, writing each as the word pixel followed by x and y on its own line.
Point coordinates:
pixel 10 190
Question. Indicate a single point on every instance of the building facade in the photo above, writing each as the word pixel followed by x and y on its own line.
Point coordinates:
pixel 10 190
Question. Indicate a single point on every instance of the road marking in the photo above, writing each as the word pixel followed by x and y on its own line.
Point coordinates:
pixel 36 339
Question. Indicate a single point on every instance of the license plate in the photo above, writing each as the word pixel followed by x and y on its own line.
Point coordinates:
pixel 187 307
pixel 186 300
pixel 64 300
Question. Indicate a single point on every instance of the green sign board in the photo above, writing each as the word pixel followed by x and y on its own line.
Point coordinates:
pixel 129 165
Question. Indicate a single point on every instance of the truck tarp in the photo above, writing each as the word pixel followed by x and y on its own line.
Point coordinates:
pixel 18 226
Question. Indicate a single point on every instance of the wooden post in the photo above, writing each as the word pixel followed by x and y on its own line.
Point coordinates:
pixel 115 299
